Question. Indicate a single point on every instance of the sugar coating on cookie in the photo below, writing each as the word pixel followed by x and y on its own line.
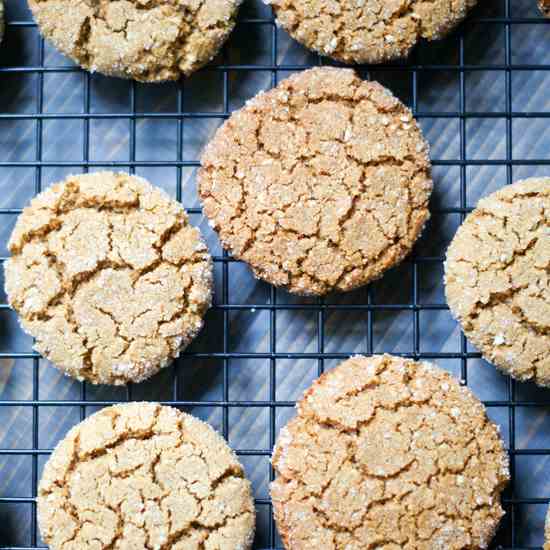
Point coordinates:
pixel 388 453
pixel 498 279
pixel 141 476
pixel 108 276
pixel 147 40
pixel 368 31
pixel 320 184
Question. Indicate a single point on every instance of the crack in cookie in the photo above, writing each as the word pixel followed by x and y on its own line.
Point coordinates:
pixel 497 279
pixel 142 476
pixel 109 277
pixel 147 40
pixel 388 453
pixel 320 184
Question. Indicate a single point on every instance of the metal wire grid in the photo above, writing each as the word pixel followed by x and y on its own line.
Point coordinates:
pixel 510 529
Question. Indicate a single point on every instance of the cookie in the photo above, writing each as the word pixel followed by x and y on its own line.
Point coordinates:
pixel 544 6
pixel 320 184
pixel 139 476
pixel 498 279
pixel 108 276
pixel 149 41
pixel 388 453
pixel 368 31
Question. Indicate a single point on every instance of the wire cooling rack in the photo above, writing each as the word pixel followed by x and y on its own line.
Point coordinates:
pixel 481 98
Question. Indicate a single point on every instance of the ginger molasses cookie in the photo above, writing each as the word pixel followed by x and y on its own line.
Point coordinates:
pixel 147 40
pixel 388 453
pixel 108 276
pixel 498 279
pixel 140 476
pixel 320 184
pixel 544 6
pixel 368 31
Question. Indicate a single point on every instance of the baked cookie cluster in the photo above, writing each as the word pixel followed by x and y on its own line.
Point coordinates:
pixel 321 184
pixel 157 40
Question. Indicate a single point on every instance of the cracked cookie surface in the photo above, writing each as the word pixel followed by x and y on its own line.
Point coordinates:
pixel 368 31
pixel 108 276
pixel 147 40
pixel 320 184
pixel 386 453
pixel 497 276
pixel 142 476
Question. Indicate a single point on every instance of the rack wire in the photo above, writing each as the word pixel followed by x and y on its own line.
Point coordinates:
pixel 256 373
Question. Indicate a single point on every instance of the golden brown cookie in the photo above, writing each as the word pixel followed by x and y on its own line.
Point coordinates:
pixel 388 453
pixel 320 184
pixel 108 276
pixel 498 279
pixel 368 31
pixel 147 40
pixel 140 476
pixel 544 6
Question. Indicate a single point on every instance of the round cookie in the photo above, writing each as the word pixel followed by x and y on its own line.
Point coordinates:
pixel 139 476
pixel 388 453
pixel 320 184
pixel 544 6
pixel 368 31
pixel 149 41
pixel 108 276
pixel 498 280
